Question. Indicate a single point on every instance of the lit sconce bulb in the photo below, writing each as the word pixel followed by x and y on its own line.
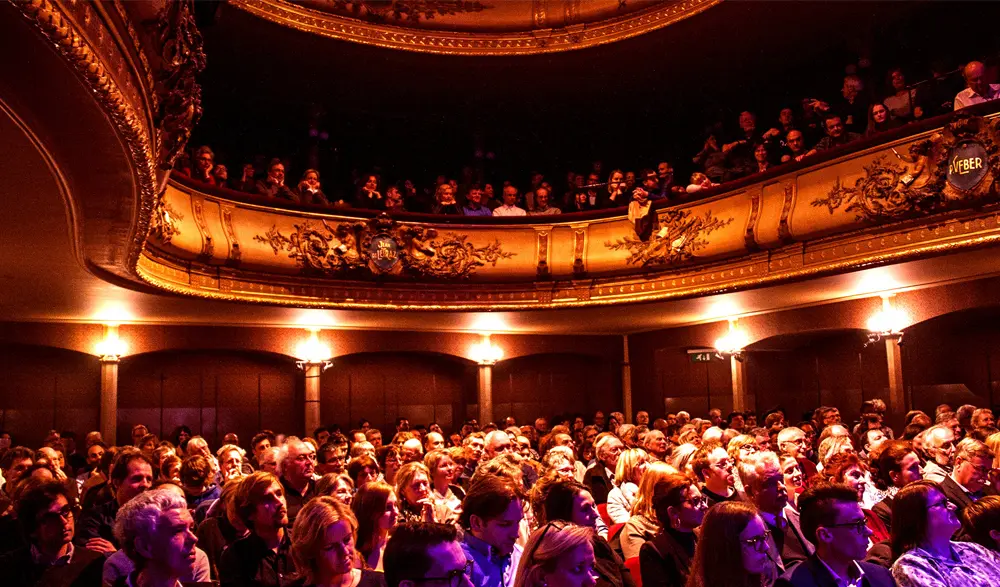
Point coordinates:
pixel 888 321
pixel 485 353
pixel 111 348
pixel 733 342
pixel 312 350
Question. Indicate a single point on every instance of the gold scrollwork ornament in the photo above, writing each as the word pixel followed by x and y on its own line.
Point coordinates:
pixel 680 235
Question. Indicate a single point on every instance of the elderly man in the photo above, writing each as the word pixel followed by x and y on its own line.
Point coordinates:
pixel 976 89
pixel 983 418
pixel 836 134
pixel 157 533
pixel 939 449
pixel 296 465
pixel 131 475
pixel 46 514
pixel 970 475
pixel 497 443
pixel 793 442
pixel 509 207
pixel 433 441
pixel 765 486
pixel 411 451
pixel 600 477
pixel 542 207
pixel 656 445
pixel 642 418
pixel 262 558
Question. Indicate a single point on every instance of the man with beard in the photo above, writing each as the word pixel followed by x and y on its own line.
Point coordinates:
pixel 262 558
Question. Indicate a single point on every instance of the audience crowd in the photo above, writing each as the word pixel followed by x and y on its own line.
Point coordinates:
pixel 676 501
pixel 812 126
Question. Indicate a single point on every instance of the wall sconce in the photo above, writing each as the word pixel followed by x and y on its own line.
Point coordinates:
pixel 111 348
pixel 887 323
pixel 312 351
pixel 485 353
pixel 732 343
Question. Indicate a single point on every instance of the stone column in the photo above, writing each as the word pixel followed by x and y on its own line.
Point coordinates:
pixel 740 401
pixel 485 393
pixel 626 381
pixel 897 394
pixel 313 373
pixel 109 389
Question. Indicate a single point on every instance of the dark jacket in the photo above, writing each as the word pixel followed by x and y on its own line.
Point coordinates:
pixel 596 478
pixel 813 573
pixel 248 562
pixel 792 545
pixel 665 561
pixel 98 522
pixel 611 571
pixel 82 570
pixel 280 192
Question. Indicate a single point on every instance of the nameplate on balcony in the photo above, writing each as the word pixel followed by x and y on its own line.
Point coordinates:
pixel 967 165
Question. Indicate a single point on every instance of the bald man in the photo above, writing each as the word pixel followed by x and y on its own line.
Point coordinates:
pixel 976 89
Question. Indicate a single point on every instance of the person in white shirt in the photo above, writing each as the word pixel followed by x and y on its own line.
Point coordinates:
pixel 509 207
pixel 977 90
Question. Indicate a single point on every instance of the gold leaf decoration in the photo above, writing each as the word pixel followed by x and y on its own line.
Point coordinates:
pixel 681 234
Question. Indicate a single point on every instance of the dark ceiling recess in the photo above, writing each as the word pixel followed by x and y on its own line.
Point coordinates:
pixel 629 103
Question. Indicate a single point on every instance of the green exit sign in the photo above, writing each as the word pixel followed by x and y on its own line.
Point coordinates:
pixel 701 356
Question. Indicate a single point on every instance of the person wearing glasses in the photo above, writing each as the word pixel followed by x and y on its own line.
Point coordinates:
pixel 559 500
pixel 970 475
pixel 296 466
pixel 421 553
pixel 924 522
pixel 713 468
pixel 46 518
pixel 491 517
pixel 832 520
pixel 558 554
pixel 323 547
pixel 732 549
pixel 793 442
pixel 765 487
pixel 680 508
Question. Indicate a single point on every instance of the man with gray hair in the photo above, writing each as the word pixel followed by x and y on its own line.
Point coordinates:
pixel 600 477
pixel 792 442
pixel 497 442
pixel 411 451
pixel 970 475
pixel 296 466
pixel 156 531
pixel 765 487
pixel 939 450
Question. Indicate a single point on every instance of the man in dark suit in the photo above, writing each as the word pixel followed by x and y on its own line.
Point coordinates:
pixel 765 486
pixel 600 476
pixel 969 476
pixel 832 519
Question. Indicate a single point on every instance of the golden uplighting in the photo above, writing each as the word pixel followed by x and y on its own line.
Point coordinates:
pixel 113 313
pixel 111 347
pixel 313 351
pixel 888 322
pixel 733 342
pixel 485 352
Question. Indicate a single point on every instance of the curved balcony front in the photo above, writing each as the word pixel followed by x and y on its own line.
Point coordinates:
pixel 926 189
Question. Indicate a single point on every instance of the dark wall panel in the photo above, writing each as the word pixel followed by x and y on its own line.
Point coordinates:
pixel 528 387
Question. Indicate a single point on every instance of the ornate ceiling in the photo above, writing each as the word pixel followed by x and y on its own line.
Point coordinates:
pixel 477 27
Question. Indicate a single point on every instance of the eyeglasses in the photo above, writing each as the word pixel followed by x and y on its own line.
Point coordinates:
pixel 557 524
pixel 758 543
pixel 64 513
pixel 308 457
pixel 859 526
pixel 453 578
pixel 700 501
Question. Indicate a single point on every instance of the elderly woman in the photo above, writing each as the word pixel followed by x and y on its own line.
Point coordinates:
pixel 628 474
pixel 924 522
pixel 156 531
pixel 323 546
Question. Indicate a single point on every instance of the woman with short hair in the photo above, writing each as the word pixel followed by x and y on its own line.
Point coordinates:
pixel 323 546
pixel 447 496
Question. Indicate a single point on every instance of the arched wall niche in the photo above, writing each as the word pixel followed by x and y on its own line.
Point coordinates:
pixel 211 391
pixel 46 388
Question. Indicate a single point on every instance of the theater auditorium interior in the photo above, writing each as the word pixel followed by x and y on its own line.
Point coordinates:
pixel 491 227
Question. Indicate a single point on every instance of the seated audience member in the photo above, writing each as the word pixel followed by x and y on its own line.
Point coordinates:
pixel 413 488
pixel 411 451
pixel 580 202
pixel 204 163
pixel 444 198
pixel 261 558
pixel 976 89
pixel 614 195
pixel 832 520
pixel 131 474
pixel 711 159
pixel 680 509
pixel 491 517
pixel 425 554
pixel 542 207
pixel 852 105
pixel 119 566
pixel 568 501
pixel 970 475
pixel 796 149
pixel 699 181
pixel 323 546
pixel 557 554
pixel 794 480
pixel 643 525
pixel 363 469
pixel 732 549
pixel 296 465
pixel 394 200
pixel 156 531
pixel 474 203
pixel 903 103
pixel 628 474
pixel 656 445
pixel 509 206
pixel 375 510
pixel 981 522
pixel 765 487
pixel 600 477
pixel 836 135
pixel 896 466
pixel 310 190
pixel 849 470
pixel 331 458
pixel 198 481
pixel 221 526
pixel 446 496
pixel 368 196
pixel 221 176
pixel 45 512
pixel 879 120
pixel 939 451
pixel 924 522
pixel 336 485
pixel 714 471
pixel 273 186
pixel 389 462
pixel 792 442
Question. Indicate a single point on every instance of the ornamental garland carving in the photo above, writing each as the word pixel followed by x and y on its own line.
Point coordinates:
pixel 381 247
pixel 932 178
pixel 680 235
pixel 163 224
pixel 182 58
pixel 398 11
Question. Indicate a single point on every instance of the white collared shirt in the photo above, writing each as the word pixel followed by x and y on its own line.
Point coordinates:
pixel 856 581
pixel 967 97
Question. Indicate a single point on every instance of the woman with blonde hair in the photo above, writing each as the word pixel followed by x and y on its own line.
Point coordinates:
pixel 643 525
pixel 447 496
pixel 338 486
pixel 628 473
pixel 413 486
pixel 375 509
pixel 732 549
pixel 558 554
pixel 323 546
